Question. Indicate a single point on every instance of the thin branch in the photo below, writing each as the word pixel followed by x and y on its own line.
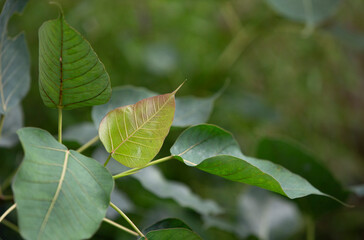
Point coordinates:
pixel 88 144
pixel 120 227
pixel 135 170
pixel 6 213
pixel 127 219
pixel 10 225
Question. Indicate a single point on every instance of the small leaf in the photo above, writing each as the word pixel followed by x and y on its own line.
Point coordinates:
pixel 213 150
pixel 309 11
pixel 134 134
pixel 190 110
pixel 170 228
pixel 13 121
pixel 14 60
pixel 70 73
pixel 60 194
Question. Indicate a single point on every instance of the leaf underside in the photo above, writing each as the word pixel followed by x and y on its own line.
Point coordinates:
pixel 134 134
pixel 14 60
pixel 213 150
pixel 60 194
pixel 70 73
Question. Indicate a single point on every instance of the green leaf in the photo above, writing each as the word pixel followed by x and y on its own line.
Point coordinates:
pixel 14 60
pixel 60 194
pixel 70 73
pixel 213 150
pixel 190 110
pixel 309 11
pixel 134 134
pixel 13 121
pixel 170 228
pixel 298 160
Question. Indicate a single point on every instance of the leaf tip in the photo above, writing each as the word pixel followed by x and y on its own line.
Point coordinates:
pixel 175 91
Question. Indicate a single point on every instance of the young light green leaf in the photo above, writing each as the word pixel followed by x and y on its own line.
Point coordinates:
pixel 213 150
pixel 14 60
pixel 70 73
pixel 190 110
pixel 170 228
pixel 60 194
pixel 12 122
pixel 298 160
pixel 308 11
pixel 134 134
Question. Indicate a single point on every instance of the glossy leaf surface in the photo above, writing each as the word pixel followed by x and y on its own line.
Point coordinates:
pixel 134 134
pixel 170 228
pixel 70 73
pixel 213 150
pixel 14 60
pixel 60 194
pixel 309 11
pixel 13 121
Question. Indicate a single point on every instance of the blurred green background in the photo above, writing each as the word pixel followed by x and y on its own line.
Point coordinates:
pixel 287 79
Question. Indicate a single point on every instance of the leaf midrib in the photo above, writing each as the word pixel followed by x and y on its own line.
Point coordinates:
pixel 141 126
pixel 55 197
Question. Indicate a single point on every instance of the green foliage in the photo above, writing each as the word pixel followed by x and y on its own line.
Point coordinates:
pixel 12 122
pixel 70 73
pixel 14 60
pixel 58 187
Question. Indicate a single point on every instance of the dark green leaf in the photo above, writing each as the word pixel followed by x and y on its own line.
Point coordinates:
pixel 213 150
pixel 13 121
pixel 14 60
pixel 167 223
pixel 299 161
pixel 60 194
pixel 70 73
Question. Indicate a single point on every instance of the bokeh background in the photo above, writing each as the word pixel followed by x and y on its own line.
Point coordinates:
pixel 292 71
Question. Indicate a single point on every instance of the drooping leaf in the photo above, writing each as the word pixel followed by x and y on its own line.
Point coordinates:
pixel 153 180
pixel 121 96
pixel 190 110
pixel 134 134
pixel 70 73
pixel 80 133
pixel 309 11
pixel 12 122
pixel 60 194
pixel 14 60
pixel 213 150
pixel 170 229
pixel 299 161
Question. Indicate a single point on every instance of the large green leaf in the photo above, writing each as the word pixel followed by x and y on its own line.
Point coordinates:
pixel 298 160
pixel 14 60
pixel 170 228
pixel 309 11
pixel 134 134
pixel 70 73
pixel 12 122
pixel 213 150
pixel 190 110
pixel 60 194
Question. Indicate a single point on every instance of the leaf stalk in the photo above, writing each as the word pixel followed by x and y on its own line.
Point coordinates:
pixel 6 213
pixel 120 226
pixel 107 160
pixel 88 144
pixel 135 170
pixel 60 125
pixel 2 119
pixel 127 219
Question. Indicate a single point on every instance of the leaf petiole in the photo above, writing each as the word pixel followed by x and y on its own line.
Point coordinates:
pixel 107 160
pixel 2 119
pixel 88 144
pixel 6 213
pixel 60 125
pixel 127 219
pixel 120 227
pixel 10 225
pixel 135 170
